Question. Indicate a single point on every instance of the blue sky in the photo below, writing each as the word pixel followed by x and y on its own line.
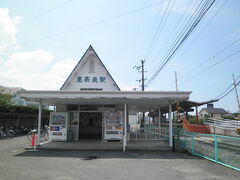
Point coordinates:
pixel 37 54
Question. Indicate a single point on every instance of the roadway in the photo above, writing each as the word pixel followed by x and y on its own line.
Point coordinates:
pixel 17 163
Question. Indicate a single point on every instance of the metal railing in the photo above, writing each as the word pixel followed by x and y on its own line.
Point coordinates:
pixel 224 150
pixel 222 123
pixel 148 133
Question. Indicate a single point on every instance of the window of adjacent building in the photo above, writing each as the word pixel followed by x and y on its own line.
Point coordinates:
pixel 20 103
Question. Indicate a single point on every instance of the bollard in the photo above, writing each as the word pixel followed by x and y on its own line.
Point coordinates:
pixel 34 138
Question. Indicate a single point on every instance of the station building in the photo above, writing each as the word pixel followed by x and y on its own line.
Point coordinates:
pixel 95 106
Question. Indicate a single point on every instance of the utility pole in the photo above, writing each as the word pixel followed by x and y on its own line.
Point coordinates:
pixel 176 81
pixel 142 62
pixel 141 70
pixel 235 87
pixel 177 106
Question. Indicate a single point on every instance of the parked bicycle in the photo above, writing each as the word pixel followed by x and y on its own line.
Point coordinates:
pixel 12 132
pixel 44 136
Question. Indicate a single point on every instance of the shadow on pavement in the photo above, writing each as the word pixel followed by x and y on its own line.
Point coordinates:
pixel 107 154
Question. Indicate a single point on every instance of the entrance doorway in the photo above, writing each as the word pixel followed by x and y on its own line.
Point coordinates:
pixel 90 125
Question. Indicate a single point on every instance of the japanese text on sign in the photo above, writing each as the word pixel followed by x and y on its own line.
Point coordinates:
pixel 88 79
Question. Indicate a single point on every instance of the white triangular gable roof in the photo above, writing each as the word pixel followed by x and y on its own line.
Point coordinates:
pixel 90 74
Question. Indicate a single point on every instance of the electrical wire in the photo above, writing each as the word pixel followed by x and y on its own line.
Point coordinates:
pixel 155 40
pixel 203 29
pixel 208 59
pixel 91 24
pixel 152 32
pixel 45 12
pixel 175 42
pixel 187 11
pixel 228 91
pixel 206 69
pixel 194 20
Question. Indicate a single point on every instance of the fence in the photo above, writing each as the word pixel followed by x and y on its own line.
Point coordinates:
pixel 223 123
pixel 148 133
pixel 8 120
pixel 224 150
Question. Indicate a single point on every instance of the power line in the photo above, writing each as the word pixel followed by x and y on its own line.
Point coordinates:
pixel 216 54
pixel 229 91
pixel 92 24
pixel 45 12
pixel 152 32
pixel 160 29
pixel 226 90
pixel 175 44
pixel 179 35
pixel 208 59
pixel 195 19
pixel 206 69
pixel 186 11
pixel 156 32
pixel 203 29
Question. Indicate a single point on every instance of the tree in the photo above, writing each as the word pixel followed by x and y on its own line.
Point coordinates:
pixel 5 99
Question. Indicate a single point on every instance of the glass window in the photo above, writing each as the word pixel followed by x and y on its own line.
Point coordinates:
pixel 72 107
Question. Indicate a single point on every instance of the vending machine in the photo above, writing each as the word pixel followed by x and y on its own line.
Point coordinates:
pixel 58 126
pixel 113 125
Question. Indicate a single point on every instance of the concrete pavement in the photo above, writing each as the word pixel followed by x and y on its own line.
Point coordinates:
pixel 17 163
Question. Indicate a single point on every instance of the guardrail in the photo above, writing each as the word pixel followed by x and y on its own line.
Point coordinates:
pixel 224 150
pixel 195 128
pixel 222 123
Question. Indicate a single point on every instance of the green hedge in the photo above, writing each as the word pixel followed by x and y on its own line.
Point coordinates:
pixel 21 109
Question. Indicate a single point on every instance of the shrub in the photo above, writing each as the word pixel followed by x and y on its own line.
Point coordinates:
pixel 8 108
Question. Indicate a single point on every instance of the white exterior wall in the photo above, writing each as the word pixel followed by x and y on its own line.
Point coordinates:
pixel 84 69
pixel 203 113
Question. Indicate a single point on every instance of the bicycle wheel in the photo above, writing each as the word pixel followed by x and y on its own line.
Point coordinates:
pixel 46 136
pixel 30 136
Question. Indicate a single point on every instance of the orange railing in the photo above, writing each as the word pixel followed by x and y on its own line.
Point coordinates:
pixel 195 128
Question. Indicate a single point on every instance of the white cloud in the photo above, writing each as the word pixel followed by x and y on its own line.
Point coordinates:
pixel 30 69
pixel 30 62
pixel 29 73
pixel 8 29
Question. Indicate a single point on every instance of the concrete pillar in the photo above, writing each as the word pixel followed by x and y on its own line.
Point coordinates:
pixel 125 128
pixel 170 124
pixel 159 117
pixel 159 122
pixel 39 122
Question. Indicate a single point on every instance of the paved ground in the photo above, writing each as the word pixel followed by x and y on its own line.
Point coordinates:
pixel 98 144
pixel 16 163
